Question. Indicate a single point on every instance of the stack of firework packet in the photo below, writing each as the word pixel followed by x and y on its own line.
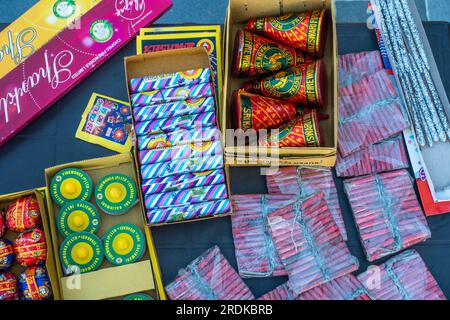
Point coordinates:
pixel 180 148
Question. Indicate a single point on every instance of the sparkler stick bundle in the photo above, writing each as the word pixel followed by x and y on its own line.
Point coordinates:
pixel 353 67
pixel 403 277
pixel 209 277
pixel 387 155
pixel 255 251
pixel 310 244
pixel 305 182
pixel 387 213
pixel 369 112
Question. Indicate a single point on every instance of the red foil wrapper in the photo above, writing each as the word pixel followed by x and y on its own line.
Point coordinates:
pixel 2 224
pixel 8 286
pixel 253 111
pixel 301 132
pixel 30 248
pixel 304 31
pixel 23 214
pixel 255 55
pixel 303 84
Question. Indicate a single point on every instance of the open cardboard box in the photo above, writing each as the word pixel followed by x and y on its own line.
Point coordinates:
pixel 109 281
pixel 239 11
pixel 163 62
pixel 5 200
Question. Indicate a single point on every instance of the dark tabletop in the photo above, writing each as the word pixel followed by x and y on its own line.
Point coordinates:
pixel 50 140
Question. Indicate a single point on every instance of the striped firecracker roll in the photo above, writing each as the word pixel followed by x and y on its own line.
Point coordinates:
pixel 187 196
pixel 347 287
pixel 173 109
pixel 305 182
pixel 353 67
pixel 182 166
pixel 183 181
pixel 369 111
pixel 209 277
pixel 387 155
pixel 309 244
pixel 387 213
pixel 173 94
pixel 187 122
pixel 189 212
pixel 255 251
pixel 179 137
pixel 170 80
pixel 403 277
pixel 186 151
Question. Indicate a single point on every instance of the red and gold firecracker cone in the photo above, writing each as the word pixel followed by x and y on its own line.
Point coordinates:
pixel 255 55
pixel 301 132
pixel 253 111
pixel 304 31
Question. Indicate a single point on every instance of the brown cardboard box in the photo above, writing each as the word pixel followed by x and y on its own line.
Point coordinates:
pixel 50 265
pixel 162 62
pixel 108 282
pixel 239 11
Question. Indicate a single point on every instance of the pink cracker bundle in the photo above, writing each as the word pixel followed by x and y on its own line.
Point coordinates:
pixel 353 67
pixel 310 244
pixel 370 111
pixel 387 155
pixel 387 213
pixel 403 277
pixel 305 182
pixel 209 277
pixel 255 251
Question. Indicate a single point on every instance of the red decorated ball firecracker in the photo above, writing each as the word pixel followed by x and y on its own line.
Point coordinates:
pixel 304 31
pixel 303 84
pixel 253 111
pixel 8 286
pixel 255 55
pixel 30 248
pixel 6 254
pixel 2 224
pixel 23 214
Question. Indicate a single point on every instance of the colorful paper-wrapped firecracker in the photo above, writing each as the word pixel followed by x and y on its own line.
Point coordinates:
pixel 34 284
pixel 123 244
pixel 403 277
pixel 353 67
pixel 78 216
pixel 138 296
pixel 255 55
pixel 6 254
pixel 173 109
pixel 305 31
pixel 188 196
pixel 8 286
pixel 170 80
pixel 189 212
pixel 310 244
pixel 23 214
pixel 387 155
pixel 183 166
pixel 255 251
pixel 305 182
pixel 176 138
pixel 30 248
pixel 70 184
pixel 2 224
pixel 202 90
pixel 303 84
pixel 209 277
pixel 81 252
pixel 186 151
pixel 300 132
pixel 253 111
pixel 369 112
pixel 387 213
pixel 115 194
pixel 183 181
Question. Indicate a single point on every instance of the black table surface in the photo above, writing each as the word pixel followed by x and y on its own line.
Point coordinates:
pixel 50 140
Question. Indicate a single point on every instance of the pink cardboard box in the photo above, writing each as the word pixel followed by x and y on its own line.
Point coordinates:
pixel 67 59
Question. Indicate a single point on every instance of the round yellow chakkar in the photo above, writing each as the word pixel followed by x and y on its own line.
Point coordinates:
pixel 82 253
pixel 78 221
pixel 123 243
pixel 71 188
pixel 115 192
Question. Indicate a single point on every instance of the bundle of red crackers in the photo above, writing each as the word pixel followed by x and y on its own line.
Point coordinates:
pixel 287 51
